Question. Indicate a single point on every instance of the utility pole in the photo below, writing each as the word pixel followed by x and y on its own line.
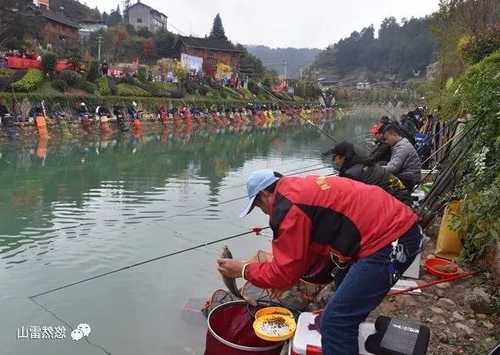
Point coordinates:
pixel 285 67
pixel 99 42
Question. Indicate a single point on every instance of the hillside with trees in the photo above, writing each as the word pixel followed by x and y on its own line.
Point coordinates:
pixel 399 51
pixel 75 10
pixel 296 58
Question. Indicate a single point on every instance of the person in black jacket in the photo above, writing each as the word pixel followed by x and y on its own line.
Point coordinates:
pixel 354 166
pixel 3 109
pixel 382 151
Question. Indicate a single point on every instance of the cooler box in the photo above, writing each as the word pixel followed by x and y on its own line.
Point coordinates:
pixel 308 342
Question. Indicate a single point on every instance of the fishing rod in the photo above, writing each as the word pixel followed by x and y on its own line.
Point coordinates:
pixel 433 135
pixel 198 246
pixel 462 135
pixel 273 97
pixel 182 251
pixel 320 130
pixel 256 230
pixel 183 213
pixel 296 171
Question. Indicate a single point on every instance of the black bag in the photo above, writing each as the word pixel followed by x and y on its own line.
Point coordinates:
pixel 398 337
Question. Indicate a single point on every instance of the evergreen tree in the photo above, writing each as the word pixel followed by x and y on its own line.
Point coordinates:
pixel 218 29
pixel 115 17
pixel 400 50
pixel 105 17
pixel 125 11
pixel 17 23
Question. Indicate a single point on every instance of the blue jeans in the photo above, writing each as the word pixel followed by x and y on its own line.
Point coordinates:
pixel 360 289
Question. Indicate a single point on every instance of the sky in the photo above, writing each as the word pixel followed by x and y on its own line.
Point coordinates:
pixel 280 23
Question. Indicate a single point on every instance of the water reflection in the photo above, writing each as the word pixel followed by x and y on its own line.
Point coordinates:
pixel 63 188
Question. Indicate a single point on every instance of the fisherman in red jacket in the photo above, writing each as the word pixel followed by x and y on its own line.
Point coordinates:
pixel 371 237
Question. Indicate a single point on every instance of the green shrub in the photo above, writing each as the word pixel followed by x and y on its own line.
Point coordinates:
pixel 93 72
pixel 474 49
pixel 178 94
pixel 142 74
pixel 223 93
pixel 130 80
pixel 6 72
pixel 130 90
pixel 72 78
pixel 8 76
pixel 231 93
pixel 60 85
pixel 203 90
pixel 192 87
pixel 30 82
pixel 103 88
pixel 253 87
pixel 162 89
pixel 112 85
pixel 476 93
pixel 49 61
pixel 87 86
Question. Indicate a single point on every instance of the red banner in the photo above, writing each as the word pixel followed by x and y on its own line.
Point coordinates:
pixel 23 63
pixel 19 63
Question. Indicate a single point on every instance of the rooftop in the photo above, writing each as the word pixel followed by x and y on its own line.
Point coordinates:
pixel 147 6
pixel 59 18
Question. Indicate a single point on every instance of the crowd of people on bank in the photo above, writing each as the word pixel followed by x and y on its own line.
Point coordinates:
pixel 131 116
pixel 395 163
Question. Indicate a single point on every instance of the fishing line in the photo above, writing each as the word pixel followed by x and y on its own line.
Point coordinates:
pixel 273 97
pixel 185 213
pixel 69 325
pixel 257 231
pixel 182 251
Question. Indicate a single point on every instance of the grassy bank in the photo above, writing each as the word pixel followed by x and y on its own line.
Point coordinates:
pixel 148 103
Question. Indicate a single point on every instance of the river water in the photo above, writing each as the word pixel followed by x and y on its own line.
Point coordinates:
pixel 77 208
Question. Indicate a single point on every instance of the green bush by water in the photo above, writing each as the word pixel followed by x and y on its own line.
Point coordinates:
pixel 30 82
pixel 103 88
pixel 476 93
pixel 130 90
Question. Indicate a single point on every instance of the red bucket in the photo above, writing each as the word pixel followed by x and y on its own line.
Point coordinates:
pixel 230 332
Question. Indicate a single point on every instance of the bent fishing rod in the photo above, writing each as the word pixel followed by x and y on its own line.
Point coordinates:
pixel 257 231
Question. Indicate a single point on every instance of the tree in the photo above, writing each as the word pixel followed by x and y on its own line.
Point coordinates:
pixel 149 47
pixel 164 42
pixel 105 17
pixel 250 64
pixel 115 17
pixel 125 11
pixel 400 50
pixel 17 23
pixel 93 71
pixel 49 61
pixel 218 29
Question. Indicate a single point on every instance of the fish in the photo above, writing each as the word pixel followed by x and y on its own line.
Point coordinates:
pixel 229 281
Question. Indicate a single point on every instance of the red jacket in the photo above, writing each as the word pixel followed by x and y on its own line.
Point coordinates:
pixel 314 216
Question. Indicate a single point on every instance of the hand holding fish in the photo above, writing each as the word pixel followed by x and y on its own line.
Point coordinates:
pixel 230 267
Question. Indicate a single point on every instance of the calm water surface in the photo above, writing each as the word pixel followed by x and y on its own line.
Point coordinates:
pixel 77 208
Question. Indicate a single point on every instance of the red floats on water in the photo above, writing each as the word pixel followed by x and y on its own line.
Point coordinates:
pixel 230 332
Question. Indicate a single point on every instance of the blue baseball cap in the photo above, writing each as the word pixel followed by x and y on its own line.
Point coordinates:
pixel 256 183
